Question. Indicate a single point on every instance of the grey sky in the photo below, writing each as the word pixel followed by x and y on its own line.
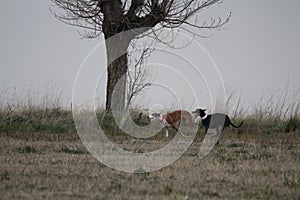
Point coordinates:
pixel 258 51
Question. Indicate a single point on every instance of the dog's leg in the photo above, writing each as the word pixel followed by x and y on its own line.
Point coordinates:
pixel 221 129
pixel 206 129
pixel 167 132
pixel 174 127
pixel 172 123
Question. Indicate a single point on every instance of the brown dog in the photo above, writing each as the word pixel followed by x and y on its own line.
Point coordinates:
pixel 172 119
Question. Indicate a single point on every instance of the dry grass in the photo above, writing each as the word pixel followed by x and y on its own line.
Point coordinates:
pixel 41 156
pixel 257 166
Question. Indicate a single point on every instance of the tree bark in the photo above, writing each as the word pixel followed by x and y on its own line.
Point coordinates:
pixel 116 72
pixel 116 50
pixel 117 61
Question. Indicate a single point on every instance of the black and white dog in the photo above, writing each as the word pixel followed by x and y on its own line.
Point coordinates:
pixel 218 120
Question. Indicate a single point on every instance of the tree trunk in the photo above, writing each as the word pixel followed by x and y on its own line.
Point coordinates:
pixel 116 78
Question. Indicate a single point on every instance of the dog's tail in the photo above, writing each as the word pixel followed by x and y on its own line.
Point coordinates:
pixel 237 126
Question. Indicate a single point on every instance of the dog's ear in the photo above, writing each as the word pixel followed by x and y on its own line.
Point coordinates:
pixel 197 110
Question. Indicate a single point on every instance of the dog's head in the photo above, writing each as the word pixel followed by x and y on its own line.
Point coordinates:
pixel 153 116
pixel 199 112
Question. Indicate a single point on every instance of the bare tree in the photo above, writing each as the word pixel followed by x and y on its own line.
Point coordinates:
pixel 112 17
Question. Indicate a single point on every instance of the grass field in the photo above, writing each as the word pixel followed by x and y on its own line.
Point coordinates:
pixel 42 157
pixel 241 166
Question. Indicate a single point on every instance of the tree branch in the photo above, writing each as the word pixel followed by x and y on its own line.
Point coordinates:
pixel 115 16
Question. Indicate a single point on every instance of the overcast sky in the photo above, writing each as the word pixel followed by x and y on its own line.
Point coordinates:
pixel 258 51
